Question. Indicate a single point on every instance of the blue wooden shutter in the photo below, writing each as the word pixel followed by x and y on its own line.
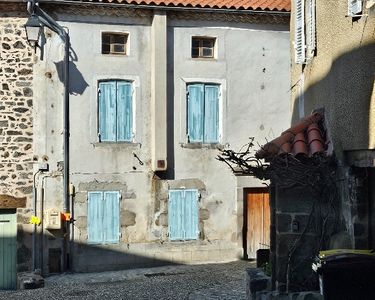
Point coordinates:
pixel 211 114
pixel 175 217
pixel 111 217
pixel 107 111
pixel 299 31
pixel 354 7
pixel 191 214
pixel 95 217
pixel 124 111
pixel 195 112
pixel 310 29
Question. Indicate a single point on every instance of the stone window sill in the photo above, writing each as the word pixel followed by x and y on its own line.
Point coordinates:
pixel 215 146
pixel 132 145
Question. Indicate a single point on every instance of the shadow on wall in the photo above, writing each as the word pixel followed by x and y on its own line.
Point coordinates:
pixel 77 84
pixel 170 172
pixel 86 257
pixel 345 93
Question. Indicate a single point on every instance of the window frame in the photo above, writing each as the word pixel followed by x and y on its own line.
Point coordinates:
pixel 219 115
pixel 133 121
pixel 201 40
pixel 92 226
pixel 355 8
pixel 184 213
pixel 304 31
pixel 112 44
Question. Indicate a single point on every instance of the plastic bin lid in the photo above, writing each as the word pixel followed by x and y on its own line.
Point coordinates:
pixel 352 252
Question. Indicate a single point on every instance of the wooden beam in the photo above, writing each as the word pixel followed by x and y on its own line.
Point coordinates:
pixel 7 201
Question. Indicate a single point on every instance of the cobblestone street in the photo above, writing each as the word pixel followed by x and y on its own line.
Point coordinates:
pixel 210 281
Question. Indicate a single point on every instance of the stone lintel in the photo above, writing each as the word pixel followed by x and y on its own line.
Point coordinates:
pixel 7 201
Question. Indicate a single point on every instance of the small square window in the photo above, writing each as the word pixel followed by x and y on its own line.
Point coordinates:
pixel 202 47
pixel 114 43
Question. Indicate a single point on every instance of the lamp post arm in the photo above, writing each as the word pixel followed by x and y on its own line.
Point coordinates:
pixel 34 9
pixel 50 23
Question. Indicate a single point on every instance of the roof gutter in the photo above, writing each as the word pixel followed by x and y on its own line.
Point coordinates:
pixel 169 8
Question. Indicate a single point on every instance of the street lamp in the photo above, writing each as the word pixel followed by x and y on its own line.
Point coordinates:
pixel 33 30
pixel 34 25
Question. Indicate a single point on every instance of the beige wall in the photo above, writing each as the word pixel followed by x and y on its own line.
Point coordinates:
pixel 253 104
pixel 340 77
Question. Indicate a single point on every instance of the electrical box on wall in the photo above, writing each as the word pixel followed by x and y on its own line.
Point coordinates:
pixel 53 219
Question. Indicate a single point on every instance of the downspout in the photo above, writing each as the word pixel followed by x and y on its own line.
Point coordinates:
pixel 71 228
pixel 34 226
pixel 66 124
pixel 49 22
pixel 41 237
pixel 66 149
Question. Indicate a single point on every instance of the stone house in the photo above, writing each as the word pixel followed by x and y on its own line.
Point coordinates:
pixel 155 90
pixel 322 168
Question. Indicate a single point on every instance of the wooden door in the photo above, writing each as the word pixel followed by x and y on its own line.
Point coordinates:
pixel 8 249
pixel 258 221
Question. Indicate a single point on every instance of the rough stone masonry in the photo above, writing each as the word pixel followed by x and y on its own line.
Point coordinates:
pixel 16 125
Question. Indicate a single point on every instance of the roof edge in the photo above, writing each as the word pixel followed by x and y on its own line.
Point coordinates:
pixel 163 7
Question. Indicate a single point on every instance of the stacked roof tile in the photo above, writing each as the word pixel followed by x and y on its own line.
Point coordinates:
pixel 304 138
pixel 269 5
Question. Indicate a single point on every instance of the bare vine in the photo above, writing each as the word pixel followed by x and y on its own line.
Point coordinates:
pixel 315 174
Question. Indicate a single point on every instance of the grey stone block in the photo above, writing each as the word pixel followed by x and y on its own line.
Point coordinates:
pixel 26 281
pixel 256 281
pixel 311 295
pixel 293 201
pixel 284 222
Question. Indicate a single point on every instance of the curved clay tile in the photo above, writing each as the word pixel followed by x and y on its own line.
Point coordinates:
pixel 285 148
pixel 315 139
pixel 238 4
pixel 299 145
pixel 281 5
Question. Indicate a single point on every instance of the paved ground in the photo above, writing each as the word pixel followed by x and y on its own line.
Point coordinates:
pixel 210 281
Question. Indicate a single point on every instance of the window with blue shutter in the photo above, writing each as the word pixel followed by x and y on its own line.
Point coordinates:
pixel 183 215
pixel 304 31
pixel 354 7
pixel 115 111
pixel 103 217
pixel 203 113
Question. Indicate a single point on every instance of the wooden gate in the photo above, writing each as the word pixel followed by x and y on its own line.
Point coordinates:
pixel 257 221
pixel 8 249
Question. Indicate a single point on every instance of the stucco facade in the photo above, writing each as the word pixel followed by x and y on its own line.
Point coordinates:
pixel 251 67
pixel 340 77
pixel 336 80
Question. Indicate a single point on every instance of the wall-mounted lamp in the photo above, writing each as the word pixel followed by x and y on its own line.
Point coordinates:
pixel 33 29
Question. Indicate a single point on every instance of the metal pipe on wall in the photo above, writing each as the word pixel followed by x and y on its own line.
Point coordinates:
pixel 66 134
pixel 49 22
pixel 33 258
pixel 41 232
pixel 71 229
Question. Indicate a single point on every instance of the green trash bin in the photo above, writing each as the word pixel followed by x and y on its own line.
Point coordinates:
pixel 346 274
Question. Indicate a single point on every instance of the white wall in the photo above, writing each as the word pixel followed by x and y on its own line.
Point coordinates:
pixel 252 68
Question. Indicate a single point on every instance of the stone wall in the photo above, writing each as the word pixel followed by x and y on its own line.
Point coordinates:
pixel 16 120
pixel 16 128
pixel 296 241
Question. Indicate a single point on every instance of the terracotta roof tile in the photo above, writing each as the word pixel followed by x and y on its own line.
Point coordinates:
pixel 305 138
pixel 271 5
